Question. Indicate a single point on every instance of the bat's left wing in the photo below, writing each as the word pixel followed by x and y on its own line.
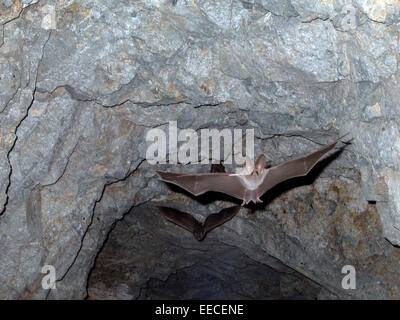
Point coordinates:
pixel 216 219
pixel 200 183
pixel 293 168
pixel 180 218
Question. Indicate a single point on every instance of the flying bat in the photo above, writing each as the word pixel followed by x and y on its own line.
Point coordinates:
pixel 252 182
pixel 199 230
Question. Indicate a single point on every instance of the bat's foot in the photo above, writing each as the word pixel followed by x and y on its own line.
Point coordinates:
pixel 251 196
pixel 258 200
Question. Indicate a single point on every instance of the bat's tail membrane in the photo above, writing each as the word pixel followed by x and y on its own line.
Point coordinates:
pixel 251 195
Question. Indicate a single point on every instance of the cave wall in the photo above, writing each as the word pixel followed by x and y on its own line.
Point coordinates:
pixel 80 91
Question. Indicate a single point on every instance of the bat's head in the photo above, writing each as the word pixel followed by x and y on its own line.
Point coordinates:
pixel 199 233
pixel 254 169
pixel 248 167
pixel 259 165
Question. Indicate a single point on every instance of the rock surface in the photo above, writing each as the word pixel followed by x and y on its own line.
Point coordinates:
pixel 83 82
pixel 148 258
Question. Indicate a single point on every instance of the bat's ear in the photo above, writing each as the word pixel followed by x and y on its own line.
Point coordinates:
pixel 260 164
pixel 249 165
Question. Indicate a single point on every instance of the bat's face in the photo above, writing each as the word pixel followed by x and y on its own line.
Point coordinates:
pixel 199 233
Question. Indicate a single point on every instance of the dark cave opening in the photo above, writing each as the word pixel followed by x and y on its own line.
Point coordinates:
pixel 229 282
pixel 146 257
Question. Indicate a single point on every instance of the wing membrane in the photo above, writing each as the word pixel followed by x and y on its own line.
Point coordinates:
pixel 180 218
pixel 293 168
pixel 216 219
pixel 200 183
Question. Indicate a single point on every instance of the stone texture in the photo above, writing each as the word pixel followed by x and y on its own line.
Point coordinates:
pixel 78 97
pixel 148 258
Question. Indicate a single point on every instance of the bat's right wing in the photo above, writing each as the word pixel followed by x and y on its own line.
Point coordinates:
pixel 293 168
pixel 180 218
pixel 200 183
pixel 216 219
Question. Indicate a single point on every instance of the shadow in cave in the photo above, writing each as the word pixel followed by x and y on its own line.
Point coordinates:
pixel 201 282
pixel 147 258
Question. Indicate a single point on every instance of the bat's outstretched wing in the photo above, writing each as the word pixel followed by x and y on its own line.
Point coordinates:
pixel 180 218
pixel 216 219
pixel 293 168
pixel 198 184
